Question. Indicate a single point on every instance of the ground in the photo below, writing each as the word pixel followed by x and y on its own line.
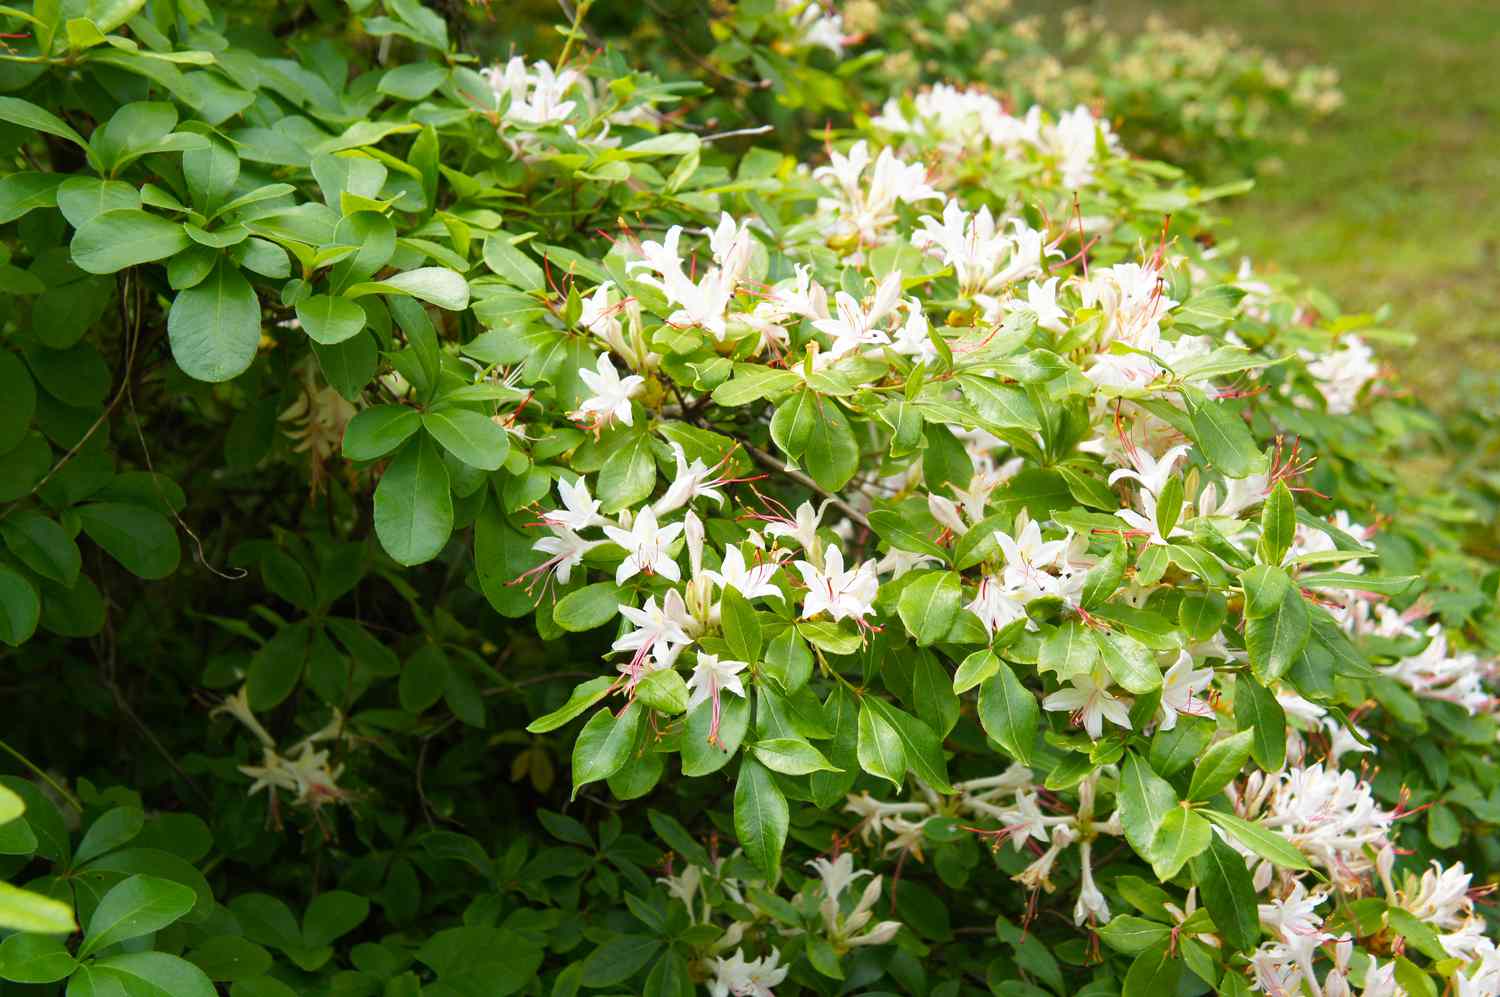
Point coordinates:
pixel 1396 199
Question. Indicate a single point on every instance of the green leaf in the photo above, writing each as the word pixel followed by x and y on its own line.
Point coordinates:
pixel 113 829
pixel 137 906
pixel 511 264
pixel 1278 525
pixel 115 240
pixel 1182 835
pixel 588 607
pixel 1273 846
pixel 933 695
pixel 1132 665
pixel 1145 800
pixel 929 604
pixel 20 607
pixel 83 198
pixel 414 504
pixel 975 669
pixel 42 545
pixel 332 915
pixel 999 404
pixel 330 320
pixel 28 115
pixel 141 539
pixel 1225 887
pixel 604 745
pixel 1131 935
pixel 23 910
pixel 1274 642
pixel 22 193
pixel 924 749
pixel 1257 710
pixel 210 173
pixel 663 690
pixel 761 818
pixel 879 748
pixel 1009 713
pixel 1419 933
pixel 1223 437
pixel 1154 973
pixel 376 431
pixel 791 756
pixel 27 958
pixel 1175 749
pixel 894 529
pixel 1070 649
pixel 1265 587
pixel 214 327
pixel 792 423
pixel 469 436
pixel 1221 763
pixel 1103 579
pixel 149 974
pixel 617 960
pixel 583 696
pixel 700 756
pixel 1210 309
pixel 742 630
pixel 19 392
pixel 434 285
pixel 832 454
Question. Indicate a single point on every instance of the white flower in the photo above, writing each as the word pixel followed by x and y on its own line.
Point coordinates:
pixel 699 304
pixel 610 401
pixel 853 326
pixel 566 549
pixel 914 339
pixel 984 259
pixel 536 97
pixel 749 582
pixel 1041 301
pixel 804 529
pixel 712 676
pixel 1342 374
pixel 838 874
pixel 1148 470
pixel 1074 141
pixel 997 604
pixel 735 977
pixel 1090 702
pixel 695 480
pixel 579 511
pixel 1293 915
pixel 1180 691
pixel 842 594
pixel 819 28
pixel 1133 300
pixel 646 546
pixel 864 210
pixel 661 633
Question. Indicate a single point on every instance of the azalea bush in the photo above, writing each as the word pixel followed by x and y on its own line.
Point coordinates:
pixel 500 518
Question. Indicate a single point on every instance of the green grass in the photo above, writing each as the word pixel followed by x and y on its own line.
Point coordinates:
pixel 1396 198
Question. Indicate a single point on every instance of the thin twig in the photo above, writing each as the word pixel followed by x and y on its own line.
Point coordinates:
pixel 766 460
pixel 42 775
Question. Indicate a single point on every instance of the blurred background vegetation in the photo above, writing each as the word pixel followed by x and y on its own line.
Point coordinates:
pixel 1393 198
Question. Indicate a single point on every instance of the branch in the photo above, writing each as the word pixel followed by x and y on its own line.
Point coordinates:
pixel 766 460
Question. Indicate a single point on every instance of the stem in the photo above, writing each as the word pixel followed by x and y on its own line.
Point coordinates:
pixel 575 31
pixel 767 460
pixel 42 775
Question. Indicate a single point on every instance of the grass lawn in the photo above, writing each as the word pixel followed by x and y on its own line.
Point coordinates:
pixel 1396 198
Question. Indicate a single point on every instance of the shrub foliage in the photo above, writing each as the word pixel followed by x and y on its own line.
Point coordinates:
pixel 683 515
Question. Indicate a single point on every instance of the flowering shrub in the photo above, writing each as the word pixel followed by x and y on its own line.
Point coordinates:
pixel 638 552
